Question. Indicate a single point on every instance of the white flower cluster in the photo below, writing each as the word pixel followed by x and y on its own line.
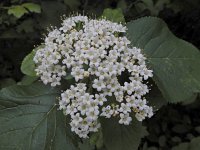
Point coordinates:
pixel 110 76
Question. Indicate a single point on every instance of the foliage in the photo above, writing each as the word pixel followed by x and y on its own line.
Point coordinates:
pixel 19 10
pixel 32 7
pixel 28 66
pixel 29 118
pixel 119 137
pixel 179 80
pixel 115 15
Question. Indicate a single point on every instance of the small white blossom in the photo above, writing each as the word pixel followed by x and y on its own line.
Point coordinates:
pixel 125 119
pixel 107 112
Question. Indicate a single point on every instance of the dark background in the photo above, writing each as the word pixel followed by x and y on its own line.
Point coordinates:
pixel 172 124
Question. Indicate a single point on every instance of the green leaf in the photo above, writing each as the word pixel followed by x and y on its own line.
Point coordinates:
pixel 193 145
pixel 85 145
pixel 27 80
pixel 96 138
pixel 32 7
pixel 30 119
pixel 18 11
pixel 122 137
pixel 175 63
pixel 115 15
pixel 68 77
pixel 28 65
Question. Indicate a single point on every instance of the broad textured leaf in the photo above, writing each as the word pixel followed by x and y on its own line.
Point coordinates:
pixel 18 11
pixel 27 80
pixel 122 137
pixel 30 119
pixel 96 138
pixel 28 65
pixel 115 15
pixel 85 145
pixel 176 63
pixel 32 7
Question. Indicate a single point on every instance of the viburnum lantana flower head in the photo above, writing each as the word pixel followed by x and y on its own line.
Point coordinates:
pixel 110 75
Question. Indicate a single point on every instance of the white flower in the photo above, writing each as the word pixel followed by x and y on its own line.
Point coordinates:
pixel 98 84
pixel 76 119
pixel 125 119
pixel 107 112
pixel 140 116
pixel 100 99
pixel 109 74
pixel 92 114
pixel 125 108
